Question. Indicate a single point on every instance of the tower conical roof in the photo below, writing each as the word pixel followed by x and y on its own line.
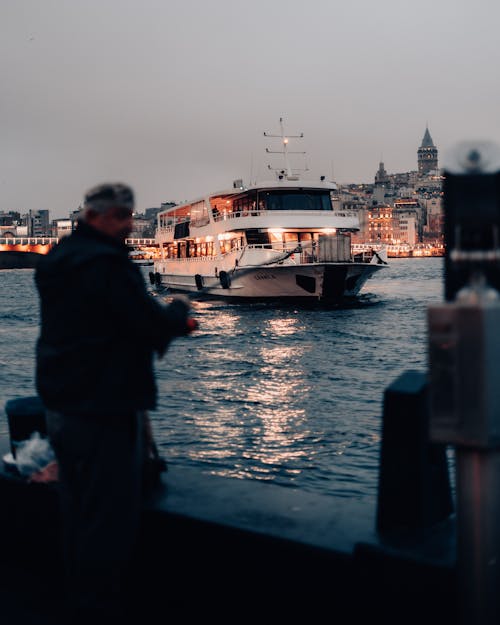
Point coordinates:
pixel 427 140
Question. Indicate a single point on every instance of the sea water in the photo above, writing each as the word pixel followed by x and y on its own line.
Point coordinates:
pixel 283 393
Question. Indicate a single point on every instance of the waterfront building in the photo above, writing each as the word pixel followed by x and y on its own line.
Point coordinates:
pixel 151 213
pixel 7 231
pixel 165 205
pixel 390 225
pixel 405 229
pixel 402 179
pixel 9 218
pixel 380 224
pixel 411 209
pixel 38 223
pixel 381 195
pixel 61 227
pixel 75 216
pixel 142 228
pixel 431 183
pixel 363 233
pixel 434 228
pixel 21 230
pixel 13 224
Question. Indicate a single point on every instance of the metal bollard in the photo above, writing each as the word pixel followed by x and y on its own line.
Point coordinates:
pixel 414 491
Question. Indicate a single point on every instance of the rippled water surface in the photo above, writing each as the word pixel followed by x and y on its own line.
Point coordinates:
pixel 288 394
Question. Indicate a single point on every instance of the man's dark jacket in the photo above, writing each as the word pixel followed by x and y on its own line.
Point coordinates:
pixel 100 328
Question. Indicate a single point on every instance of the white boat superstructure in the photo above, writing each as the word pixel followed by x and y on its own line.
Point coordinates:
pixel 280 238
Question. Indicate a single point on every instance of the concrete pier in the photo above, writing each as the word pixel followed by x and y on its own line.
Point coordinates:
pixel 227 549
pixel 218 547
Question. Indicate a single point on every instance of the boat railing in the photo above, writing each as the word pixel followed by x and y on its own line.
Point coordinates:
pixel 199 222
pixel 226 215
pixel 299 252
pixel 164 234
pixel 289 252
pixel 296 253
pixel 188 259
pixel 28 240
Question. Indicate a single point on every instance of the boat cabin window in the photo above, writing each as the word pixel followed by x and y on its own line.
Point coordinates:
pixel 292 237
pixel 257 237
pixel 229 245
pixel 172 217
pixel 199 214
pixel 166 220
pixel 182 249
pixel 299 200
pixel 245 204
pixel 189 249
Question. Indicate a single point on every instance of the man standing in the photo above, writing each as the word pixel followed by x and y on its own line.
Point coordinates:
pixel 100 329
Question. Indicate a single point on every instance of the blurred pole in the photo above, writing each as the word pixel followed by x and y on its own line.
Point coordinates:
pixel 478 535
pixel 464 372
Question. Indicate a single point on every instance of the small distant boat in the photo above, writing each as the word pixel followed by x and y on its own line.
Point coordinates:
pixel 141 258
pixel 280 239
pixel 402 250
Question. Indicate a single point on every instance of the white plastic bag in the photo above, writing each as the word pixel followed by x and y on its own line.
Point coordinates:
pixel 33 454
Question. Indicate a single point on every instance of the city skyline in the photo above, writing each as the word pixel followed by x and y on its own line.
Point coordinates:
pixel 174 99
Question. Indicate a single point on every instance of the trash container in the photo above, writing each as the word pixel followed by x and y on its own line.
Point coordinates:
pixel 25 415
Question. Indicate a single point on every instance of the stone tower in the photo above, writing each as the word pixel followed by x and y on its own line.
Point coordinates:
pixel 381 176
pixel 427 155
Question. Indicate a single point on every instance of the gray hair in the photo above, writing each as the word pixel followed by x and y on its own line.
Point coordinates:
pixel 104 196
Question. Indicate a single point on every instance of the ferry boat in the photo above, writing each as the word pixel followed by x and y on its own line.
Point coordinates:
pixel 280 238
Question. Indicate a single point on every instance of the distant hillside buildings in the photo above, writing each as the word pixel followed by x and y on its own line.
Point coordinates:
pixel 396 208
pixel 427 155
pixel 37 224
pixel 400 208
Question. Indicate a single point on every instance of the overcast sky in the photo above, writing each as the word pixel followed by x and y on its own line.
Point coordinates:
pixel 173 96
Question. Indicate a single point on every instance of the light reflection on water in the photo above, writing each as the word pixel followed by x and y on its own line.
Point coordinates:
pixel 296 392
pixel 289 394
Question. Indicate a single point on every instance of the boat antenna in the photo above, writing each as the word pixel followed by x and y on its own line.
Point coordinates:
pixel 285 151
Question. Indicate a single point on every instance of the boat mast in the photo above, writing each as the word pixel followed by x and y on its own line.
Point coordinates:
pixel 285 151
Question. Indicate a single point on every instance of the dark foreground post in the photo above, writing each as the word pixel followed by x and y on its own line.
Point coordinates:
pixel 414 491
pixel 464 359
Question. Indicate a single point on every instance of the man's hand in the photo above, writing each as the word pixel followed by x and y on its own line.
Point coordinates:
pixel 182 307
pixel 191 324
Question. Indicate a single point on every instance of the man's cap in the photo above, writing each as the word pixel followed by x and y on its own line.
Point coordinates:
pixel 104 196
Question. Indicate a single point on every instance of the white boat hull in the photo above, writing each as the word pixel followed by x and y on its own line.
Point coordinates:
pixel 318 281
